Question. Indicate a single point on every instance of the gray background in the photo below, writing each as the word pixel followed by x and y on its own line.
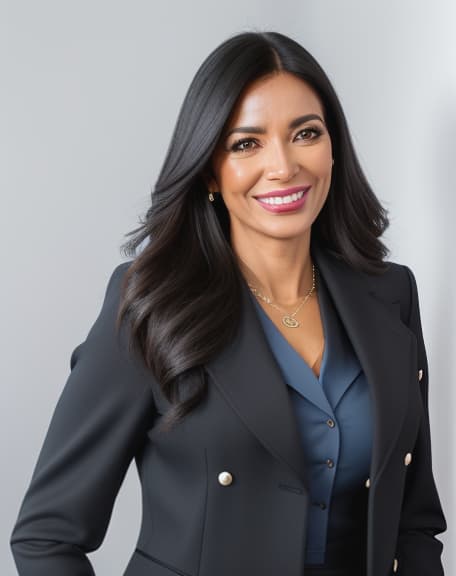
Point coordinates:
pixel 90 93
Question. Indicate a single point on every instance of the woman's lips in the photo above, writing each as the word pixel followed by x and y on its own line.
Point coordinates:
pixel 286 203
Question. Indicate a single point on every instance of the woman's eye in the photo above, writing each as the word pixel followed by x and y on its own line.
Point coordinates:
pixel 315 131
pixel 243 145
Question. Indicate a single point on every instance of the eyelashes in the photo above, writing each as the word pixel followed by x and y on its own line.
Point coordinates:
pixel 240 145
pixel 317 132
pixel 245 144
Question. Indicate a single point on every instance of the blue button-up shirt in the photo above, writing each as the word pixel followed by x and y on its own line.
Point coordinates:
pixel 335 423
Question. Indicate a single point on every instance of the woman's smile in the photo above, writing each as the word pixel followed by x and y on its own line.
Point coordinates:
pixel 287 200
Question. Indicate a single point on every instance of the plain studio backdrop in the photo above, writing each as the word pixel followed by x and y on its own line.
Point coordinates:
pixel 90 91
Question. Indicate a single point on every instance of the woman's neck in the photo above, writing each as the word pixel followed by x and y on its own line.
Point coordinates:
pixel 280 268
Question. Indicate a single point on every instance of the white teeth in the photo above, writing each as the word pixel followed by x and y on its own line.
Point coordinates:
pixel 283 199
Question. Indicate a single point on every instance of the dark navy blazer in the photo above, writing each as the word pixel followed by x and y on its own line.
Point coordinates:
pixel 228 491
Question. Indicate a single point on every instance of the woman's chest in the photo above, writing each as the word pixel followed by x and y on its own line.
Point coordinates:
pixel 307 339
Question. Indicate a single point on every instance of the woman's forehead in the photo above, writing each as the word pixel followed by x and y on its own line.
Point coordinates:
pixel 280 94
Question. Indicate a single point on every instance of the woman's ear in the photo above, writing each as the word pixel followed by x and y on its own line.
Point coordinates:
pixel 210 181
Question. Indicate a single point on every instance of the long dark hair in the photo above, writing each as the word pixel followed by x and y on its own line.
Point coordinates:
pixel 182 292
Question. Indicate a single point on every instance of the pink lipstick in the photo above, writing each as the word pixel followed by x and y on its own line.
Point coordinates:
pixel 283 200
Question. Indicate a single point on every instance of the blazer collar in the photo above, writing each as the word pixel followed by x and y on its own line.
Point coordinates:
pixel 248 376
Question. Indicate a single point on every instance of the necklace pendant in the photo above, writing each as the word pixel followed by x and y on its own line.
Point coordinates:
pixel 290 322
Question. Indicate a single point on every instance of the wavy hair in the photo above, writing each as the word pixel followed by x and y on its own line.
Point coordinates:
pixel 182 292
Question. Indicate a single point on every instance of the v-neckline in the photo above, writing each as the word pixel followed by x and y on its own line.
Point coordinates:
pixel 340 364
pixel 279 334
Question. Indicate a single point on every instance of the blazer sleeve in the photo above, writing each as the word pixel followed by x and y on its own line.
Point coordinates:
pixel 96 429
pixel 422 518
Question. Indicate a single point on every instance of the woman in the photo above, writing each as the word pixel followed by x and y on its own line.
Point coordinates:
pixel 259 359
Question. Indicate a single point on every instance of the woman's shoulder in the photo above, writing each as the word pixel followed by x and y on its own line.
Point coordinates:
pixel 118 273
pixel 389 279
pixel 106 348
pixel 114 284
pixel 397 283
pixel 395 276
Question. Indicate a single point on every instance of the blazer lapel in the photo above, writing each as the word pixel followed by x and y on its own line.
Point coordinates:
pixel 250 379
pixel 383 344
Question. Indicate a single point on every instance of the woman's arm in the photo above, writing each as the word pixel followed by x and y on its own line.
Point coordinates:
pixel 97 427
pixel 422 518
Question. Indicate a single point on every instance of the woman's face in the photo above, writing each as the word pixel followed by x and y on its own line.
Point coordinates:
pixel 275 140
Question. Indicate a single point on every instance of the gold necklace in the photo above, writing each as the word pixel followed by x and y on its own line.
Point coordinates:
pixel 288 320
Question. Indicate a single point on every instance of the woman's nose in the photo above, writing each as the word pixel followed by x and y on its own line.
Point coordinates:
pixel 280 164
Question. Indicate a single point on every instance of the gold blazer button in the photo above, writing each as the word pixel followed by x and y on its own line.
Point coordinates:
pixel 408 458
pixel 225 478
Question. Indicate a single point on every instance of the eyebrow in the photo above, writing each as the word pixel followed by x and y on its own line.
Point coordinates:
pixel 259 130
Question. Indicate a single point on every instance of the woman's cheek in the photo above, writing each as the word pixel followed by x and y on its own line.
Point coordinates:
pixel 239 176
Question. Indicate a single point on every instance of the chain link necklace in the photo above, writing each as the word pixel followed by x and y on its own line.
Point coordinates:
pixel 288 319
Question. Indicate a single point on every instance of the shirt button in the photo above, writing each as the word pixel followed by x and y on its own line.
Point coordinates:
pixel 329 463
pixel 330 422
pixel 322 505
